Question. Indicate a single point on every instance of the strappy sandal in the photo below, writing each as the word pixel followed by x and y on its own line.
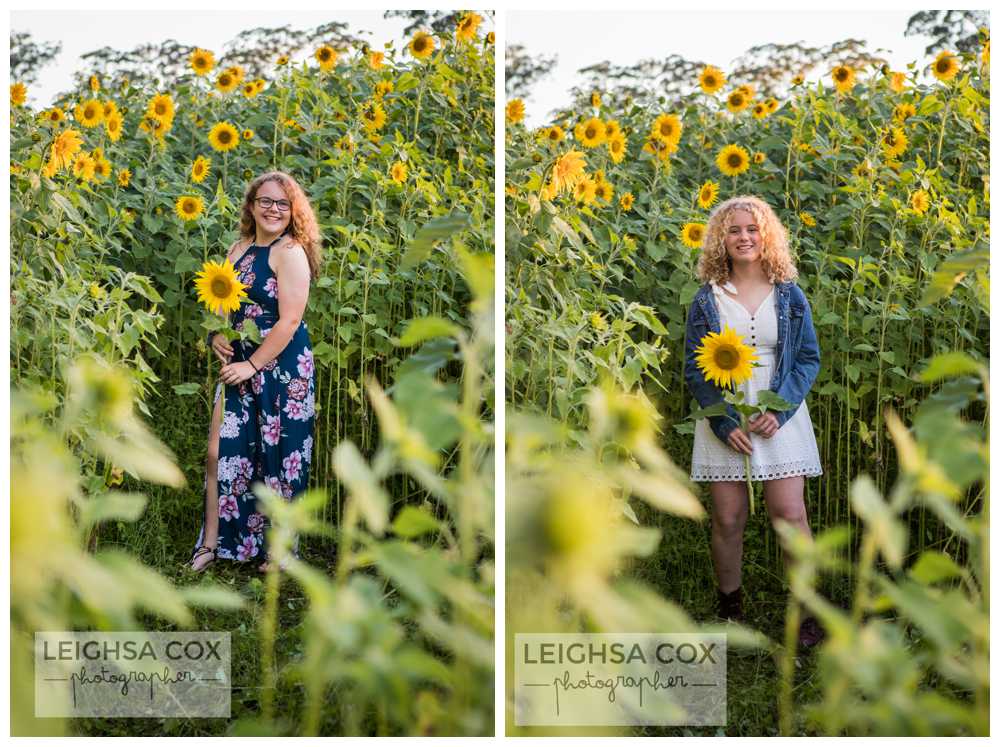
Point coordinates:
pixel 203 550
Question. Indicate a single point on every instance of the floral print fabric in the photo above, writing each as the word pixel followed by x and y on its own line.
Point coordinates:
pixel 267 425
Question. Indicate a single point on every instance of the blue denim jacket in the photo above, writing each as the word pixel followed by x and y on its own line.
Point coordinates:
pixel 797 353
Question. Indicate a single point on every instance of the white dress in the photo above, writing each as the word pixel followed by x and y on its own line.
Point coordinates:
pixel 792 449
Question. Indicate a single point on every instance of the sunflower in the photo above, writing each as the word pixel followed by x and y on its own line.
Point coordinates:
pixel 373 116
pixel 161 107
pixel 807 219
pixel 202 61
pixel 693 234
pixel 226 81
pixel 113 126
pixel 491 38
pixel 83 167
pixel 604 191
pixel 732 160
pixel 986 53
pixel 65 146
pixel 711 79
pixel 18 94
pixel 894 141
pixel 282 60
pixel 382 88
pixel 598 322
pixel 627 201
pixel 724 358
pixel 567 170
pixel 798 80
pixel 897 82
pixel 595 100
pixel 554 134
pixel 843 78
pixel 863 170
pixel 616 147
pixel 89 113
pixel 102 166
pixel 668 128
pixel 326 56
pixel 759 157
pixel 945 65
pixel 248 134
pixel 515 111
pixel 54 115
pixel 159 127
pixel 345 143
pixel 95 83
pixel 219 288
pixel 398 172
pixel 660 148
pixel 708 194
pixel 110 107
pixel 468 26
pixel 422 45
pixel 737 101
pixel 590 133
pixel 188 207
pixel 223 136
pixel 200 168
pixel 920 201
pixel 124 177
pixel 250 89
pixel 903 112
pixel 772 105
pixel 760 110
pixel 585 190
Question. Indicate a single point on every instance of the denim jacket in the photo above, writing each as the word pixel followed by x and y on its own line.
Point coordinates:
pixel 797 353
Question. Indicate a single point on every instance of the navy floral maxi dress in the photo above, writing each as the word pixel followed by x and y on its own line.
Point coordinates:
pixel 267 424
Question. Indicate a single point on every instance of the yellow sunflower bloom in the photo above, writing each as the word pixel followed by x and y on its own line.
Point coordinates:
pixel 894 141
pixel 515 111
pixel 18 94
pixel 83 167
pixel 897 82
pixel 188 207
pixel 54 115
pixel 398 172
pixel 64 148
pixel 382 88
pixel 326 56
pixel 113 126
pixel 226 81
pixel 737 101
pixel 248 134
pixel 590 133
pixel 250 89
pixel 94 83
pixel 732 160
pixel 585 190
pixel 759 158
pixel 627 201
pixel 554 134
pixel 124 177
pixel 724 358
pixel 711 79
pixel 760 110
pixel 668 128
pixel 223 136
pixel 491 38
pixel 102 166
pixel 604 191
pixel 89 113
pixel 920 201
pixel 422 45
pixel 219 288
pixel 772 104
pixel 707 195
pixel 567 170
pixel 376 60
pixel 843 78
pixel 617 147
pixel 468 26
pixel 807 219
pixel 660 148
pixel 693 234
pixel 200 169
pixel 282 60
pixel 373 116
pixel 945 66
pixel 903 112
pixel 202 61
pixel 161 107
pixel 798 80
pixel 595 100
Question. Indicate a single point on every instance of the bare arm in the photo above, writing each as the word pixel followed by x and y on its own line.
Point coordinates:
pixel 291 267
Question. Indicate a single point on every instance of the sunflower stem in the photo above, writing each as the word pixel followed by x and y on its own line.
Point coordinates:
pixel 746 466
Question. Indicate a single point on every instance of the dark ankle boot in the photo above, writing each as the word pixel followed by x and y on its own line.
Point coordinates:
pixel 731 605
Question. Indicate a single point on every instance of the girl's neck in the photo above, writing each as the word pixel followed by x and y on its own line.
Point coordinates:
pixel 746 274
pixel 264 237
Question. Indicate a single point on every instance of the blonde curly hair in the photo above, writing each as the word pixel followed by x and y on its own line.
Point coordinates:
pixel 302 227
pixel 714 263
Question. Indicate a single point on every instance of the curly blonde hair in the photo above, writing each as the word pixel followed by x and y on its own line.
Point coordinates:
pixel 714 263
pixel 302 227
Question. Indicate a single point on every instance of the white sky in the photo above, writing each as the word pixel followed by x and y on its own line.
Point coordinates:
pixel 715 37
pixel 85 31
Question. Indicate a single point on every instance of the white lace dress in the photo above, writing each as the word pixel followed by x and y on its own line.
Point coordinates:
pixel 792 449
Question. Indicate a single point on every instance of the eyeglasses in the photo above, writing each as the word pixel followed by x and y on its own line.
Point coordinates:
pixel 265 203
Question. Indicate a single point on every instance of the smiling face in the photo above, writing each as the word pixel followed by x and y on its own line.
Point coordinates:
pixel 742 238
pixel 271 221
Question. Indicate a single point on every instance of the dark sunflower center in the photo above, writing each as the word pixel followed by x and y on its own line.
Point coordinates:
pixel 666 129
pixel 943 65
pixel 221 287
pixel 225 136
pixel 694 234
pixel 591 132
pixel 727 357
pixel 841 74
pixel 709 80
pixel 224 80
pixel 420 44
pixel 735 160
pixel 736 99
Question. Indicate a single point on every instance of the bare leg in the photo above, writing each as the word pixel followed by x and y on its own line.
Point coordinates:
pixel 729 519
pixel 785 500
pixel 211 536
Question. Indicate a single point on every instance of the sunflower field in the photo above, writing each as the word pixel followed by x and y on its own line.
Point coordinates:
pixel 882 179
pixel 119 194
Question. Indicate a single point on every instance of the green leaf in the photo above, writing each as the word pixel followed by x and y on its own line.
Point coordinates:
pixel 709 412
pixel 427 328
pixel 436 229
pixel 949 365
pixel 250 331
pixel 364 487
pixel 413 521
pixel 772 401
pixel 186 389
pixel 112 505
pixel 933 567
pixel 645 316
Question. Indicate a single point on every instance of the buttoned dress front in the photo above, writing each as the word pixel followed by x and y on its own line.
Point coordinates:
pixel 792 450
